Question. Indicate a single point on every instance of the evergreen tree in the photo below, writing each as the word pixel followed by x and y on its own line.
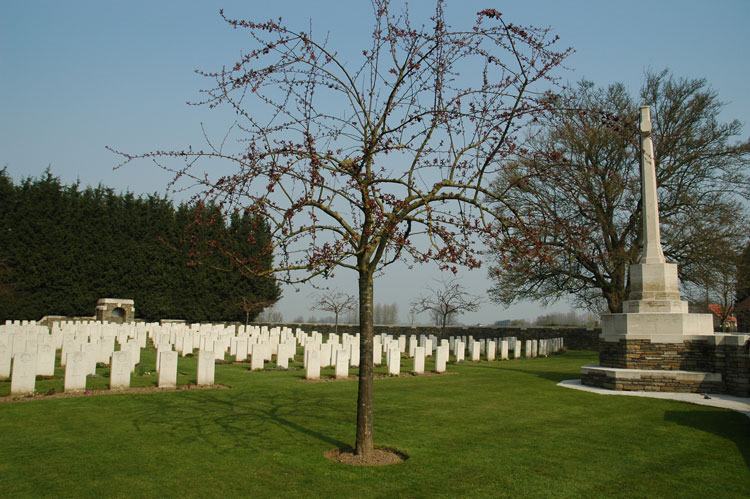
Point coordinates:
pixel 63 247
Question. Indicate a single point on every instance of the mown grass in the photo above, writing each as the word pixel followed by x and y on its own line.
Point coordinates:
pixel 495 429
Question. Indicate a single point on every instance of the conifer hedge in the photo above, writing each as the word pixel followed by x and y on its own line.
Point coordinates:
pixel 64 247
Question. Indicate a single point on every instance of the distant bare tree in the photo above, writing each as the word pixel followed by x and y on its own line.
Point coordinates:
pixel 571 318
pixel 717 284
pixel 336 302
pixel 447 302
pixel 251 306
pixel 386 314
pixel 270 315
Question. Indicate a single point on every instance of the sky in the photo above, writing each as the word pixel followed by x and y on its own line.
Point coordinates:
pixel 77 76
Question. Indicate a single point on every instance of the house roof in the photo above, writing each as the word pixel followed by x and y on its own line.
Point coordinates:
pixel 718 310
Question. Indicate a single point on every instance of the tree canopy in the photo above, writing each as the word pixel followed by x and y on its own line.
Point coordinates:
pixel 64 247
pixel 571 217
pixel 359 163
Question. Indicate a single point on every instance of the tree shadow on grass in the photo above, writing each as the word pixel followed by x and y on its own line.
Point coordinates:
pixel 722 424
pixel 243 418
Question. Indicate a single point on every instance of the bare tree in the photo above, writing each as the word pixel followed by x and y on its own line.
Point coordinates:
pixel 359 164
pixel 716 284
pixel 336 302
pixel 270 315
pixel 386 314
pixel 446 302
pixel 251 306
pixel 571 212
pixel 352 316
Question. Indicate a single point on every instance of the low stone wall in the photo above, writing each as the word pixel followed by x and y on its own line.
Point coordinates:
pixel 574 338
pixel 643 354
pixel 728 355
pixel 651 380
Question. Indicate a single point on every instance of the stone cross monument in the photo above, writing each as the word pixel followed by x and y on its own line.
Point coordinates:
pixel 654 309
pixel 655 344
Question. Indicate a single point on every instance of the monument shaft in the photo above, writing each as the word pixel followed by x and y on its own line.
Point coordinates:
pixel 652 251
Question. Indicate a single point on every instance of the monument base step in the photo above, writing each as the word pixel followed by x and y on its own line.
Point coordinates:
pixel 613 378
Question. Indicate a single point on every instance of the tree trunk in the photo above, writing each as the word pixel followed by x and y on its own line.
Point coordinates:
pixel 365 442
pixel 615 300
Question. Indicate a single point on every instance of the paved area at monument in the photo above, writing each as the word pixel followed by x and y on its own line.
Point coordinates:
pixel 738 404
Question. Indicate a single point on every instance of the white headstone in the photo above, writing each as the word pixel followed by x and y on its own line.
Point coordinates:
pixel 168 369
pixel 475 351
pixel 325 354
pixel 45 360
pixel 412 345
pixel 206 367
pixel 240 354
pixel 377 351
pixel 4 361
pixel 313 364
pixel 342 363
pixel 460 350
pixel 76 369
pixel 394 360
pixel 23 378
pixel 258 356
pixel 119 374
pixel 504 350
pixel 441 358
pixel 418 360
pixel 491 350
pixel 91 350
pixel 354 354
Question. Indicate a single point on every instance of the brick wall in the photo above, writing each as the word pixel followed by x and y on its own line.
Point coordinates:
pixel 730 359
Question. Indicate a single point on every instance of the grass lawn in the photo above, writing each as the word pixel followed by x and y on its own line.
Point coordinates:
pixel 495 429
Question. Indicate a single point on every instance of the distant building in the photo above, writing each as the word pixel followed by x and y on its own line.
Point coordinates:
pixel 718 311
pixel 117 310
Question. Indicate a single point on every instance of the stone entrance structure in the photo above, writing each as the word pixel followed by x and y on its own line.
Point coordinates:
pixel 656 345
pixel 117 310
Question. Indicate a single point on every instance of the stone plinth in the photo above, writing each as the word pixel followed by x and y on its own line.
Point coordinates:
pixel 651 380
pixel 723 361
pixel 657 327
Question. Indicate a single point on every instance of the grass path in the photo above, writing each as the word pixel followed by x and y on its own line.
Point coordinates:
pixel 495 429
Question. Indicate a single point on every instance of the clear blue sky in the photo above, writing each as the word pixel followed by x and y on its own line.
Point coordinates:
pixel 76 76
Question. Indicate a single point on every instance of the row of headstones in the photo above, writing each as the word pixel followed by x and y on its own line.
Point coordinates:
pixel 259 347
pixel 319 356
pixel 78 366
pixel 27 340
pixel 44 348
